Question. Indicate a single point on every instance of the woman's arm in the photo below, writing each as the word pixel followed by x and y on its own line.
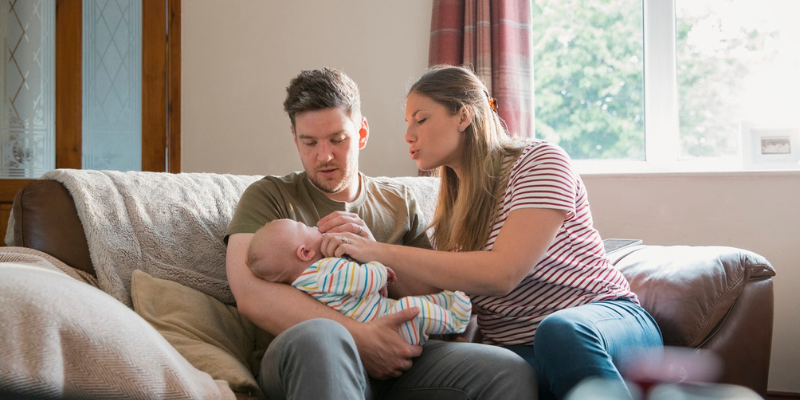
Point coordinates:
pixel 522 242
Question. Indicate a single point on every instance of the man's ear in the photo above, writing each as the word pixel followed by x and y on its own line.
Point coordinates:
pixel 304 253
pixel 363 133
pixel 294 134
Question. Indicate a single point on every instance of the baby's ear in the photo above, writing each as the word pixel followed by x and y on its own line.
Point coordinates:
pixel 304 253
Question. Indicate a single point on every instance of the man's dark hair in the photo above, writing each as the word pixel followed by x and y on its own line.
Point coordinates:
pixel 320 89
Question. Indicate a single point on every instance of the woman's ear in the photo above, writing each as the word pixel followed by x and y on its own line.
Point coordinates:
pixel 465 118
pixel 305 254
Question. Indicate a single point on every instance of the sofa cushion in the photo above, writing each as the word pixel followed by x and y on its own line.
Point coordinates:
pixel 689 290
pixel 61 338
pixel 213 336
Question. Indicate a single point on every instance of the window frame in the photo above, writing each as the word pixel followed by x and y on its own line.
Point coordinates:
pixel 661 124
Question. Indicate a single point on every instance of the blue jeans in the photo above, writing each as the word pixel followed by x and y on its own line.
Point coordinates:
pixel 318 359
pixel 591 340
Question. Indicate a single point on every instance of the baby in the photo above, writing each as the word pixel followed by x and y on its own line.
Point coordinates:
pixel 287 251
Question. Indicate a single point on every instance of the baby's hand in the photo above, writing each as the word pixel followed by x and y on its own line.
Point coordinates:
pixel 392 278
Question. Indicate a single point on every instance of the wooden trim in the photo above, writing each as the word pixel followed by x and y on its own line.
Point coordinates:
pixel 9 189
pixel 69 83
pixel 174 87
pixel 154 85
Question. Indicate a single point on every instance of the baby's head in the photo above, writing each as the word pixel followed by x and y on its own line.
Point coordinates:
pixel 282 249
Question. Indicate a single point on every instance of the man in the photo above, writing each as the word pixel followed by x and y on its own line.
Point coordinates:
pixel 318 353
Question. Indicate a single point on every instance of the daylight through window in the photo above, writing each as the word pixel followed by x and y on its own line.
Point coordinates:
pixel 680 85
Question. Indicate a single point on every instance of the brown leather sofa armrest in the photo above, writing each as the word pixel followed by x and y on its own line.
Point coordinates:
pixel 690 289
pixel 744 339
pixel 45 219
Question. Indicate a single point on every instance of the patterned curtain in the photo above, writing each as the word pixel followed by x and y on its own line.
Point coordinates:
pixel 494 37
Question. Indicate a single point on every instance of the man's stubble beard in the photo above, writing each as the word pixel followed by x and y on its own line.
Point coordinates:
pixel 326 188
pixel 349 173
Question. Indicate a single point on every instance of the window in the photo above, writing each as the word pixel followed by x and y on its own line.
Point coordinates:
pixel 655 85
pixel 588 77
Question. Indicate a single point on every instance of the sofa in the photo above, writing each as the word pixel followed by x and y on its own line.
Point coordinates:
pixel 113 286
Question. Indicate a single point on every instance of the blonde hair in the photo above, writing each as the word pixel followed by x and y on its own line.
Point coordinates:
pixel 467 207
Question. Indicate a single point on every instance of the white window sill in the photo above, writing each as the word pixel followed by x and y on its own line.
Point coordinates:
pixel 731 165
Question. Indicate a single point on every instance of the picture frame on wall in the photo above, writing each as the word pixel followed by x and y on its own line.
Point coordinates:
pixel 770 147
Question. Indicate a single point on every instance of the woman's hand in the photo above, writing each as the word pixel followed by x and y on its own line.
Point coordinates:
pixel 357 247
pixel 340 222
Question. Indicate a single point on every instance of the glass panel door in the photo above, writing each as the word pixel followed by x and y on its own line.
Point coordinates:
pixel 111 79
pixel 112 84
pixel 27 112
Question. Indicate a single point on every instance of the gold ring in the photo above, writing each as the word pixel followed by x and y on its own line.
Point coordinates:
pixel 344 239
pixel 359 230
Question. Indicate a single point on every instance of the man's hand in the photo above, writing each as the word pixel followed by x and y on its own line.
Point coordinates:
pixel 340 222
pixel 384 353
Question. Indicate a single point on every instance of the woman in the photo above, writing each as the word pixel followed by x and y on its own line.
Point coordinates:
pixel 513 230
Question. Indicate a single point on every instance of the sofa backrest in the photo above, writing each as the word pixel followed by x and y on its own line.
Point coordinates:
pixel 45 218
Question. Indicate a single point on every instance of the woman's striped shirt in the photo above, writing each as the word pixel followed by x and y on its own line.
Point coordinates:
pixel 574 270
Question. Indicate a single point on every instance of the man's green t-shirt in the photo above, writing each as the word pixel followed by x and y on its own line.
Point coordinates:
pixel 387 207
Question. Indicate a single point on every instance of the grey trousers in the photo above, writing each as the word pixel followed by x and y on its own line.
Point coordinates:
pixel 318 359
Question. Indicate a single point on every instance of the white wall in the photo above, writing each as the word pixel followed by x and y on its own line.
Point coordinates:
pixel 754 211
pixel 239 56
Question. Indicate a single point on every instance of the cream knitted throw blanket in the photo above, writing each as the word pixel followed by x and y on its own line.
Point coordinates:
pixel 168 225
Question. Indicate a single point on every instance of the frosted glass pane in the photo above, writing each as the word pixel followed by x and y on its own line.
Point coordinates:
pixel 112 81
pixel 27 115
